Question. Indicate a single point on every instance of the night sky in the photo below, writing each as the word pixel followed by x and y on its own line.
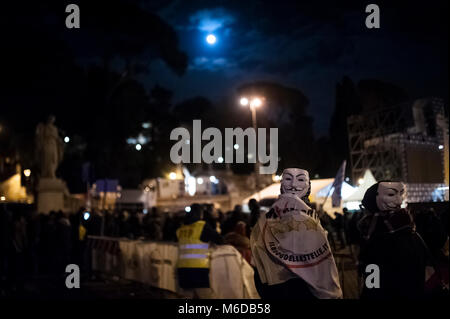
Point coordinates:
pixel 87 76
pixel 309 46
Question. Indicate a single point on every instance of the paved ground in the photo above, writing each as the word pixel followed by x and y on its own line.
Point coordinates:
pixel 90 289
pixel 348 275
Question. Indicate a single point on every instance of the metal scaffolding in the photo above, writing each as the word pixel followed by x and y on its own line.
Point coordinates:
pixel 378 140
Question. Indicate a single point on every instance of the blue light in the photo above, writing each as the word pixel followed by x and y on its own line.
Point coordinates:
pixel 211 39
pixel 86 215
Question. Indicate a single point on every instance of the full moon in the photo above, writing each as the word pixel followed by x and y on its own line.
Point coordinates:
pixel 211 39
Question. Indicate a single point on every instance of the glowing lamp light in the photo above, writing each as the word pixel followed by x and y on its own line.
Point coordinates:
pixel 2 198
pixel 220 159
pixel 138 147
pixel 236 146
pixel 67 139
pixel 360 181
pixel 187 209
pixel 256 102
pixel 441 147
pixel 173 175
pixel 86 215
pixel 276 178
pixel 27 172
pixel 200 181
pixel 213 179
pixel 211 39
pixel 244 101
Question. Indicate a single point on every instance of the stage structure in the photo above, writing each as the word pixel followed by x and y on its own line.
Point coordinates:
pixel 407 142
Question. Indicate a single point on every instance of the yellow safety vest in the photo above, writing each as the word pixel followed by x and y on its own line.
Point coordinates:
pixel 81 232
pixel 192 252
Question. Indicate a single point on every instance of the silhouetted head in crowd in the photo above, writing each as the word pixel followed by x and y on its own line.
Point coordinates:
pixel 253 204
pixel 125 215
pixel 195 214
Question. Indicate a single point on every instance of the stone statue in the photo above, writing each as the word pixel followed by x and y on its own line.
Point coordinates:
pixel 49 148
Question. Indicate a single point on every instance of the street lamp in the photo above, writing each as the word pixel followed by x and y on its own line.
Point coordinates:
pixel 172 175
pixel 253 102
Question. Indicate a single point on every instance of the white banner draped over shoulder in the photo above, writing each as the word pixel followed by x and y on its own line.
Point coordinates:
pixel 154 263
pixel 288 242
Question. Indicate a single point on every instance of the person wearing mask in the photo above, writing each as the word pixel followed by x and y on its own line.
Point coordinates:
pixel 391 243
pixel 194 237
pixel 290 248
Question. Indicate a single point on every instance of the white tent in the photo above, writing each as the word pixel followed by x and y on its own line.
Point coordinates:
pixel 368 180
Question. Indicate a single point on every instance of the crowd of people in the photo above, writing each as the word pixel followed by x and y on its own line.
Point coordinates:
pixel 33 244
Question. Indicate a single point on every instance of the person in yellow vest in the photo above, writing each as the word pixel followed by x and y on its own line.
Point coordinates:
pixel 193 265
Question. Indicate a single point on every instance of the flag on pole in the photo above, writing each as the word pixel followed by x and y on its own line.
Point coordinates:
pixel 337 184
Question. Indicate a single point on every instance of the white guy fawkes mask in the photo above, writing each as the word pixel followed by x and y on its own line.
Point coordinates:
pixel 295 181
pixel 390 195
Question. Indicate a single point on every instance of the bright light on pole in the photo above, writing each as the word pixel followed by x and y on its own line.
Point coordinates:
pixel 67 139
pixel 244 101
pixel 253 103
pixel 173 175
pixel 138 147
pixel 256 102
pixel 27 172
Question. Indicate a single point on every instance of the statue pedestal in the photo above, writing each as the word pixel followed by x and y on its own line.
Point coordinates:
pixel 51 193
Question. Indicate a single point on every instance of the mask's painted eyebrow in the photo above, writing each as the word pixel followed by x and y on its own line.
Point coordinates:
pixel 288 174
pixel 395 190
pixel 301 174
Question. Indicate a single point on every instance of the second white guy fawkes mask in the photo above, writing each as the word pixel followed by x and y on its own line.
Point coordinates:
pixel 295 181
pixel 390 195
